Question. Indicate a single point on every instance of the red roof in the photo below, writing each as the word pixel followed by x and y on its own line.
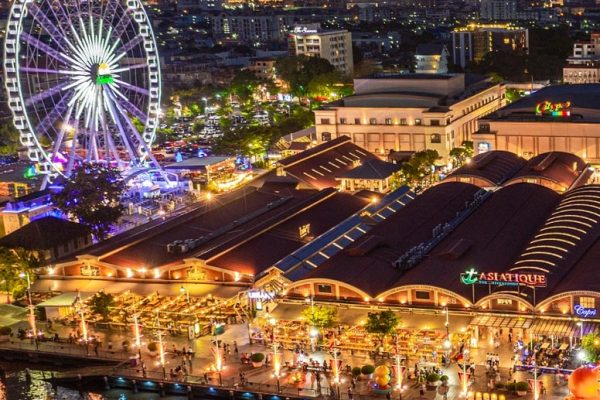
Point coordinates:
pixel 557 166
pixel 493 166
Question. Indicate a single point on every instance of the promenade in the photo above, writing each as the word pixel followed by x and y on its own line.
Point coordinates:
pixel 199 368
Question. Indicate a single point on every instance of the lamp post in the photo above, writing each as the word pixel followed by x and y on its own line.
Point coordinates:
pixel 31 309
pixel 136 331
pixel 580 325
pixel 218 367
pixel 464 354
pixel 276 365
pixel 535 380
pixel 447 342
pixel 161 350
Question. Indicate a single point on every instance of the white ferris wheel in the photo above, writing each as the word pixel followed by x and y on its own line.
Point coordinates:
pixel 83 83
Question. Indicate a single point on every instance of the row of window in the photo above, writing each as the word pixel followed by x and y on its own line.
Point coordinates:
pixel 479 104
pixel 434 137
pixel 373 121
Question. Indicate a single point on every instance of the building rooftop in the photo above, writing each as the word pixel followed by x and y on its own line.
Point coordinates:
pixel 44 233
pixel 319 166
pixel 198 162
pixel 429 49
pixel 562 168
pixel 371 169
pixel 494 166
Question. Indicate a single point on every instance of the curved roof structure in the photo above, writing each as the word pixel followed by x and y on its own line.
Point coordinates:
pixel 563 169
pixel 566 236
pixel 494 167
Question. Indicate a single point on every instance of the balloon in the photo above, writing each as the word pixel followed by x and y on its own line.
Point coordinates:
pixel 382 380
pixel 583 383
pixel 382 370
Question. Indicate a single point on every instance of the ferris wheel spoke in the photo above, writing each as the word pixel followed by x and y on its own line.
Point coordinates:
pixel 130 45
pixel 45 94
pixel 52 116
pixel 129 106
pixel 47 25
pixel 131 87
pixel 61 133
pixel 130 67
pixel 117 121
pixel 47 49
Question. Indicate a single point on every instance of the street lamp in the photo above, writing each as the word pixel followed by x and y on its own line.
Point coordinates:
pixel 160 346
pixel 580 325
pixel 138 340
pixel 276 365
pixel 31 309
pixel 465 386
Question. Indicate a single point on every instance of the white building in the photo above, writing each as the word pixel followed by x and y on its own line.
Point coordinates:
pixel 335 46
pixel 410 112
pixel 431 59
pixel 584 65
pixel 200 5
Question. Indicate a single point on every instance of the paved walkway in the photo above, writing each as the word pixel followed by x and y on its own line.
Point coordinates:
pixel 262 379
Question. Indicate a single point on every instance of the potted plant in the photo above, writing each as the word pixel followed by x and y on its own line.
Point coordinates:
pixel 444 380
pixel 5 332
pixel 257 359
pixel 432 379
pixel 367 370
pixel 500 386
pixel 153 349
pixel 356 372
pixel 521 388
pixel 510 387
pixel 126 345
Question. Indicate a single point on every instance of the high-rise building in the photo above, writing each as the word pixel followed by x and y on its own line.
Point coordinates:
pixel 498 10
pixel 200 5
pixel 333 45
pixel 251 28
pixel 472 42
pixel 431 59
pixel 584 65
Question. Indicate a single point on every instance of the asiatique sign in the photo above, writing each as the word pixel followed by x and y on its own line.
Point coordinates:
pixel 472 277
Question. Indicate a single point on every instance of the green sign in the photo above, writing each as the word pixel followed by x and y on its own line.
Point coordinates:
pixel 104 79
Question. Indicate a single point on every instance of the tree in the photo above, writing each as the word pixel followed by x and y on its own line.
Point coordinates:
pixel 320 316
pixel 244 83
pixel 462 153
pixel 14 262
pixel 413 171
pixel 298 71
pixel 325 85
pixel 590 345
pixel 382 323
pixel 9 139
pixel 92 196
pixel 102 303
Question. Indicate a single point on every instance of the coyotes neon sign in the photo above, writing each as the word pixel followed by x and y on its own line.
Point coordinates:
pixel 554 109
pixel 472 277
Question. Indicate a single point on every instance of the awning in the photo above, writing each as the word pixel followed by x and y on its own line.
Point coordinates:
pixel 502 322
pixel 564 327
pixel 141 288
pixel 65 299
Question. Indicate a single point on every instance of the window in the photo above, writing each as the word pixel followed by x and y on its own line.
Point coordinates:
pixel 421 295
pixel 587 302
pixel 436 138
pixel 325 137
pixel 343 121
pixel 388 121
pixel 403 121
pixel 356 121
pixel 418 121
pixel 324 121
pixel 324 288
pixel 435 122
pixel 504 302
pixel 373 121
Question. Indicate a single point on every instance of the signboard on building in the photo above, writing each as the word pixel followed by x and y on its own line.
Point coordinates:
pixel 584 312
pixel 553 109
pixel 472 277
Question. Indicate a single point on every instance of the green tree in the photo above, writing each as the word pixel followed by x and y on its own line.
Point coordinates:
pixel 298 71
pixel 591 347
pixel 92 195
pixel 413 172
pixel 244 83
pixel 102 303
pixel 14 262
pixel 139 125
pixel 320 316
pixel 9 139
pixel 462 153
pixel 325 85
pixel 382 323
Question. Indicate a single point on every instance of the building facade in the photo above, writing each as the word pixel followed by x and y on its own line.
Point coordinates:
pixel 335 46
pixel 409 112
pixel 431 59
pixel 498 10
pixel 472 42
pixel 251 28
pixel 584 64
pixel 556 118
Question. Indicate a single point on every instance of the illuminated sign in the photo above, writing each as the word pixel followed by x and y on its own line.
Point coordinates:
pixel 472 277
pixel 584 312
pixel 104 79
pixel 554 109
pixel 304 230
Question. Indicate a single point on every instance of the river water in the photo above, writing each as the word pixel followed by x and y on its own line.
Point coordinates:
pixel 17 387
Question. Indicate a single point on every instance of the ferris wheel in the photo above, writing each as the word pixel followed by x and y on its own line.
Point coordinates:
pixel 83 83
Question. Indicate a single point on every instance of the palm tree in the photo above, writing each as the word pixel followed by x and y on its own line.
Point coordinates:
pixel 13 262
